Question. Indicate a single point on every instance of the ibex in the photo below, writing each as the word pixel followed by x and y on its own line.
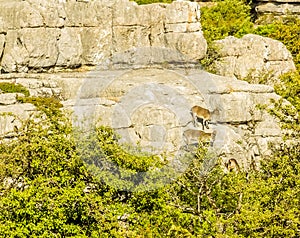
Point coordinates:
pixel 232 165
pixel 202 114
pixel 191 136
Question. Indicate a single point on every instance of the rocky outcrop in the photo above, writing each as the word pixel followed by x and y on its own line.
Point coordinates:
pixel 38 35
pixel 146 79
pixel 12 115
pixel 150 107
pixel 276 8
pixel 254 56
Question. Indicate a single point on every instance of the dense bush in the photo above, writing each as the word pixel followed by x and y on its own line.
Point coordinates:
pixel 48 191
pixel 228 17
pixel 13 88
pixel 42 182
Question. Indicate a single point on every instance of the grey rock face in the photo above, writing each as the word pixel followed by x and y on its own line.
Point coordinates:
pixel 147 78
pixel 30 48
pixel 252 55
pixel 150 107
pixel 11 116
pixel 9 98
pixel 48 34
pixel 277 7
pixel 69 48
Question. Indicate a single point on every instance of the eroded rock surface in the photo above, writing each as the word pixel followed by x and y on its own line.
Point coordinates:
pixel 150 107
pixel 277 8
pixel 37 35
pixel 147 77
pixel 254 56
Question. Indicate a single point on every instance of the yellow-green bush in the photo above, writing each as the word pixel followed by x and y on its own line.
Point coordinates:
pixel 13 88
pixel 226 18
pixel 43 181
pixel 287 31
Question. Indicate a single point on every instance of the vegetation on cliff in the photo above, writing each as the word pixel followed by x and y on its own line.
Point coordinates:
pixel 224 19
pixel 13 88
pixel 47 191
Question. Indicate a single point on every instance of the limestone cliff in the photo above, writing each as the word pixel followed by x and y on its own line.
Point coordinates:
pixel 40 35
pixel 147 76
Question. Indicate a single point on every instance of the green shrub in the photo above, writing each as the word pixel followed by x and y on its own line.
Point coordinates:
pixel 270 201
pixel 287 31
pixel 43 181
pixel 13 88
pixel 289 88
pixel 228 17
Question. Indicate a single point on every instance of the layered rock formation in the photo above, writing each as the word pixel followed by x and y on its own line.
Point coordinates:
pixel 277 8
pixel 254 56
pixel 40 35
pixel 151 107
pixel 147 78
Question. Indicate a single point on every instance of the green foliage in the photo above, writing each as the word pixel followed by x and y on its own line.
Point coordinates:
pixel 13 88
pixel 228 17
pixel 51 185
pixel 289 88
pixel 260 203
pixel 49 105
pixel 207 193
pixel 125 166
pixel 136 161
pixel 42 181
pixel 43 186
pixel 287 31
pixel 271 198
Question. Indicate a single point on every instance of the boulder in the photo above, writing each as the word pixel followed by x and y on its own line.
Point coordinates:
pixel 18 14
pixel 148 78
pixel 9 98
pixel 12 115
pixel 52 12
pixel 69 48
pixel 150 107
